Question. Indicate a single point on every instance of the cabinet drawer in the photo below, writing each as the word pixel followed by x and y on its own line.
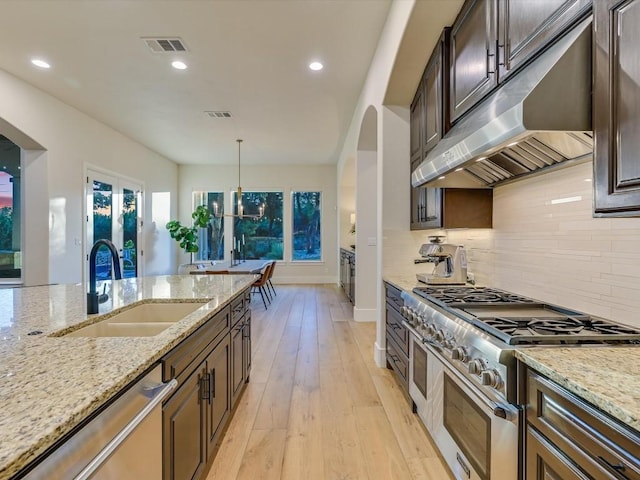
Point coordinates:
pixel 601 447
pixel 175 362
pixel 398 330
pixel 393 296
pixel 237 308
pixel 398 361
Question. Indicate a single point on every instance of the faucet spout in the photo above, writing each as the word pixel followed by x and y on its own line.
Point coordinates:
pixel 92 297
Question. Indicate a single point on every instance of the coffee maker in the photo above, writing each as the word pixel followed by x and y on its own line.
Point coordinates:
pixel 450 263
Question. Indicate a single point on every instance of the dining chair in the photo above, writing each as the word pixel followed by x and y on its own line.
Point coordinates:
pixel 269 284
pixel 259 285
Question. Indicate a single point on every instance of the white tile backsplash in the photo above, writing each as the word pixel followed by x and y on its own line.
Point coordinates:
pixel 557 253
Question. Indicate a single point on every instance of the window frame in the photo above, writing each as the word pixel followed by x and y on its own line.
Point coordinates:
pixel 293 191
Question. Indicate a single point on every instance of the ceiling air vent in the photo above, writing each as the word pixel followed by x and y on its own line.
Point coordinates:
pixel 165 44
pixel 218 114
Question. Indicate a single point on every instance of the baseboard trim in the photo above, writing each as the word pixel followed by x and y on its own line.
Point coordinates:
pixel 365 314
pixel 380 355
pixel 306 280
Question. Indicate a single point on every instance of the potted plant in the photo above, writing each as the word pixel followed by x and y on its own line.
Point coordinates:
pixel 187 237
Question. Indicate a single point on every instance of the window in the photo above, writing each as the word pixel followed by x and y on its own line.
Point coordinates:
pixel 211 240
pixel 306 241
pixel 259 238
pixel 10 221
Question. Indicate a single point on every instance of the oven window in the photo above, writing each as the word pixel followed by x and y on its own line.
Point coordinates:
pixel 420 368
pixel 469 427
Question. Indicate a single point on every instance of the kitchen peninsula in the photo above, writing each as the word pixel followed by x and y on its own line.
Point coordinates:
pixel 50 383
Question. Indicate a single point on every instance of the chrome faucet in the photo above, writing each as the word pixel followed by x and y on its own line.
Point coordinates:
pixel 93 300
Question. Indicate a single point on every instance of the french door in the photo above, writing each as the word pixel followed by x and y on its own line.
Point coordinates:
pixel 114 212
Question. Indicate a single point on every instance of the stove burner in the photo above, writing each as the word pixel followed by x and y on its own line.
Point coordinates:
pixel 465 296
pixel 536 325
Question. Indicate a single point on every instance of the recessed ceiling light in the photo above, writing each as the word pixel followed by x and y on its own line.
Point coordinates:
pixel 481 158
pixel 316 66
pixel 441 178
pixel 40 63
pixel 178 65
pixel 459 169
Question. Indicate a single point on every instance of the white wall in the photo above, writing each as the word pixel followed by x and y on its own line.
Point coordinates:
pixel 54 185
pixel 285 178
pixel 555 252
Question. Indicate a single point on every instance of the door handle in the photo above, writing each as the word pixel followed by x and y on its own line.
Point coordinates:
pixel 489 55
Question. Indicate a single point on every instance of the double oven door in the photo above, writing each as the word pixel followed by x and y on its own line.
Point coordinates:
pixel 467 426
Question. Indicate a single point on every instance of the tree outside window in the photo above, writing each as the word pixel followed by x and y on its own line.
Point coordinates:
pixel 259 239
pixel 306 207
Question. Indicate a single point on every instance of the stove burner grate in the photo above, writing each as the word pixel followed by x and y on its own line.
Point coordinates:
pixel 465 296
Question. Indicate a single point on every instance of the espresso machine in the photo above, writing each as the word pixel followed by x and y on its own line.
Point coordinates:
pixel 450 262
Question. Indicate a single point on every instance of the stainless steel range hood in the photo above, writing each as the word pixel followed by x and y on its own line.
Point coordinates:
pixel 538 119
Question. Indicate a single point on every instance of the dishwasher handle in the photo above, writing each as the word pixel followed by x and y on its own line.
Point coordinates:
pixel 121 436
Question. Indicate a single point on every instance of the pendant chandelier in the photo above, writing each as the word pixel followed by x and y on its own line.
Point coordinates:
pixel 240 213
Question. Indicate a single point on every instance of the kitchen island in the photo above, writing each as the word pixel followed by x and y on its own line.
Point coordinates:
pixel 50 383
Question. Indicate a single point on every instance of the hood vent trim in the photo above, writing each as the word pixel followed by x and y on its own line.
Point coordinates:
pixel 537 120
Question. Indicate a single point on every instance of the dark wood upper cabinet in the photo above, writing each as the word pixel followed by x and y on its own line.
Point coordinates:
pixel 525 27
pixel 452 208
pixel 472 55
pixel 435 80
pixel 416 122
pixel 616 108
pixel 491 39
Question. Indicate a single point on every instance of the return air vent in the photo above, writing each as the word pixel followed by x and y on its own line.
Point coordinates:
pixel 165 44
pixel 218 114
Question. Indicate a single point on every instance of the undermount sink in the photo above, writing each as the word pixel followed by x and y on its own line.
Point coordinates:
pixel 143 320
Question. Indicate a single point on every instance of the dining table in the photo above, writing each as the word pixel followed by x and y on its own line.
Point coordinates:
pixel 228 267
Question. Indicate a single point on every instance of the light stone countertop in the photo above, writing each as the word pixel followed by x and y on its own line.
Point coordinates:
pixel 49 384
pixel 607 377
pixel 403 282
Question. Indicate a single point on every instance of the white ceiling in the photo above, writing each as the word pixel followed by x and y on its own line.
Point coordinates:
pixel 249 57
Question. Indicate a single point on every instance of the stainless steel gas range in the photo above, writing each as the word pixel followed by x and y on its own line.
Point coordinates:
pixel 462 375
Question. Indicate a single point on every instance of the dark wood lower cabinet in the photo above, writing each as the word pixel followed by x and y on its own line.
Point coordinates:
pixel 184 449
pixel 196 415
pixel 568 438
pixel 218 402
pixel 397 338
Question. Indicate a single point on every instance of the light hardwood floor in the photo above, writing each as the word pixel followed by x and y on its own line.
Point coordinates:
pixel 317 406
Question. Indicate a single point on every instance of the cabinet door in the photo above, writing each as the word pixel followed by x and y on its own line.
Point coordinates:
pixel 545 462
pixel 526 27
pixel 473 55
pixel 416 120
pixel 237 361
pixel 218 403
pixel 183 418
pixel 246 347
pixel 616 108
pixel 435 116
pixel 426 208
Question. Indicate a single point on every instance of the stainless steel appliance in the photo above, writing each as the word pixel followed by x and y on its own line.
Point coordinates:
pixel 462 375
pixel 123 441
pixel 450 263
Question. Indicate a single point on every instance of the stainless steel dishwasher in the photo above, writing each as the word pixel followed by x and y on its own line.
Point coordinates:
pixel 124 441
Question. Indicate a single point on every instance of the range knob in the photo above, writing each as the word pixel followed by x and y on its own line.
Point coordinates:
pixel 404 311
pixel 476 367
pixel 438 336
pixel 491 378
pixel 460 353
pixel 430 329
